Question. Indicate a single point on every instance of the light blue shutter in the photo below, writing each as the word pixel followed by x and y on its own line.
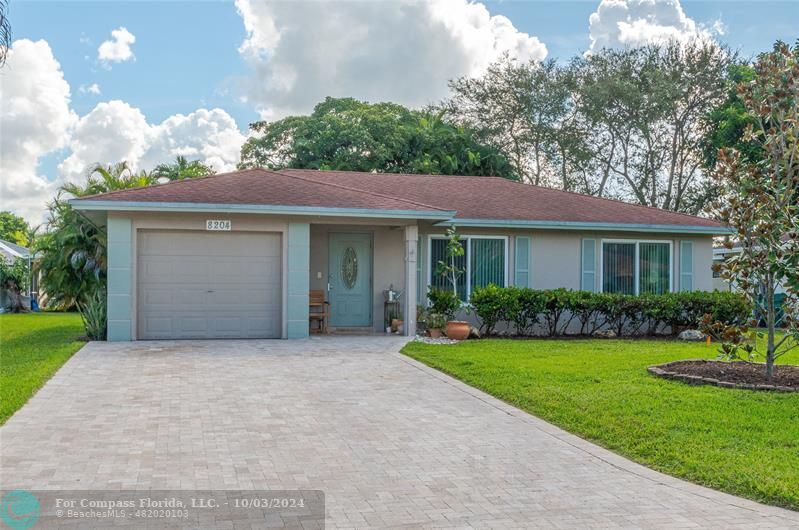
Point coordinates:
pixel 522 268
pixel 686 266
pixel 588 281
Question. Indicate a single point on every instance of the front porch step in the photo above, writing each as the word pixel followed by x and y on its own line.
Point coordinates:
pixel 353 331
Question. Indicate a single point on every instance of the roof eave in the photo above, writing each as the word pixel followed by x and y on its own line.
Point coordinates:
pixel 596 226
pixel 273 209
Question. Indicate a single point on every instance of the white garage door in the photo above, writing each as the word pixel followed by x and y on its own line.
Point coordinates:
pixel 200 285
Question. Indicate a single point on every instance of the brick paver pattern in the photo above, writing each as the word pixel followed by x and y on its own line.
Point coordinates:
pixel 391 442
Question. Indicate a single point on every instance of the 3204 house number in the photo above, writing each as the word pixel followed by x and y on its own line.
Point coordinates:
pixel 217 224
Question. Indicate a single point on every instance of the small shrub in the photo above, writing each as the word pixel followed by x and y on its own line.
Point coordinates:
pixel 443 302
pixel 556 303
pixel 525 309
pixel 436 321
pixel 93 313
pixel 587 308
pixel 490 304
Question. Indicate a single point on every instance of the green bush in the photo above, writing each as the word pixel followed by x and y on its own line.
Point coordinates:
pixel 490 305
pixel 93 313
pixel 444 302
pixel 556 309
pixel 525 307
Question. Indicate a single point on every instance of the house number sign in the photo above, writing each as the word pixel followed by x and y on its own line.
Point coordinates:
pixel 217 224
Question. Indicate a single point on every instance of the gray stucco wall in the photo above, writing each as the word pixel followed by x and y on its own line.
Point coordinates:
pixel 120 279
pixel 297 267
pixel 555 259
pixel 556 255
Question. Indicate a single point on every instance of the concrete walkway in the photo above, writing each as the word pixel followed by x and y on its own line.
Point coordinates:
pixel 391 442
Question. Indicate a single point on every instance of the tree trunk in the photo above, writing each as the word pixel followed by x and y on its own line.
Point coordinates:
pixel 15 297
pixel 770 323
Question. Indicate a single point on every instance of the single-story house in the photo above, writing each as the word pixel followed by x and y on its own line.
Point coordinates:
pixel 235 255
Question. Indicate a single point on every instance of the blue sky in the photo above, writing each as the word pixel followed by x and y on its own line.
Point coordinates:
pixel 186 52
pixel 188 59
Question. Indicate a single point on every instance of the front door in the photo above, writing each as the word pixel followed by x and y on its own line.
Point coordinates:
pixel 350 280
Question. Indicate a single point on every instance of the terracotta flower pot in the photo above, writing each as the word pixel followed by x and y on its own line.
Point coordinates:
pixel 458 330
pixel 434 333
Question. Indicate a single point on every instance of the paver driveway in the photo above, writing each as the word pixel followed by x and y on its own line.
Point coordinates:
pixel 390 441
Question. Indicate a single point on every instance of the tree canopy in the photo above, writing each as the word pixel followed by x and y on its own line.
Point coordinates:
pixel 14 229
pixel 626 123
pixel 347 134
pixel 181 168
pixel 757 195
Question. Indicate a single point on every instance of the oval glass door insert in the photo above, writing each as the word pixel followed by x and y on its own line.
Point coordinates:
pixel 349 267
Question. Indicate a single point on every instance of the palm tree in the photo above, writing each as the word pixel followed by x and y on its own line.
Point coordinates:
pixel 73 250
pixel 5 32
pixel 102 179
pixel 182 169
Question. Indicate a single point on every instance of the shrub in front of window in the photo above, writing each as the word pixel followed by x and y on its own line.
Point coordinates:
pixel 491 305
pixel 587 308
pixel 626 315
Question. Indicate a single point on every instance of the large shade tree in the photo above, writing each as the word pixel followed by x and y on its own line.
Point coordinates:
pixel 526 110
pixel 15 229
pixel 758 196
pixel 626 123
pixel 347 134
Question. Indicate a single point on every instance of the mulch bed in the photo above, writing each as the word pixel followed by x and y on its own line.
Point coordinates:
pixel 750 376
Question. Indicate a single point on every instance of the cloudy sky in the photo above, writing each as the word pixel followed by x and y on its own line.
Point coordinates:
pixel 145 82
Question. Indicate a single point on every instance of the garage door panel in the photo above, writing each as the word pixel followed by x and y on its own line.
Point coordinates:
pixel 188 290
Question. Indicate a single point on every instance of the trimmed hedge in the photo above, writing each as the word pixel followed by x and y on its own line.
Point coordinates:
pixel 559 310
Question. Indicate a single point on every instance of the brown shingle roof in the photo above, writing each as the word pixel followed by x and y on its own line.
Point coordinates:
pixel 502 199
pixel 478 198
pixel 262 187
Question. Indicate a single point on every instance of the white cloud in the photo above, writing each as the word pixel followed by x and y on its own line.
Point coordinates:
pixel 619 23
pixel 94 88
pixel 35 119
pixel 403 51
pixel 117 49
pixel 114 131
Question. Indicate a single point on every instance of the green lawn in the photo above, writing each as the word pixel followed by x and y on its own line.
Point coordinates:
pixel 33 346
pixel 742 442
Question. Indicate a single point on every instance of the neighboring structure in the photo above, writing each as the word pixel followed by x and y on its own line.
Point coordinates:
pixel 235 254
pixel 721 254
pixel 11 252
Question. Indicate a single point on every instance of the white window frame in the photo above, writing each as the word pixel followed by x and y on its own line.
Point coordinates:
pixel 637 261
pixel 468 272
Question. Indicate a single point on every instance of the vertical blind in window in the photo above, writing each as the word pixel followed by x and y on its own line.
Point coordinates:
pixel 618 268
pixel 487 262
pixel 438 252
pixel 653 268
pixel 485 258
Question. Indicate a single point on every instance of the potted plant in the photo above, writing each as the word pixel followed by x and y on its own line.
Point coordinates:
pixel 456 329
pixel 395 322
pixel 435 323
